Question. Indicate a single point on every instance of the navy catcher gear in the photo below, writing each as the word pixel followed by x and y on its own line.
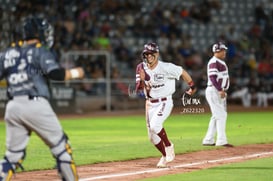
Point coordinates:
pixel 38 28
pixel 27 70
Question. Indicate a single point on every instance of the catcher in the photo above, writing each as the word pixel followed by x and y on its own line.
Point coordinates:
pixel 157 79
pixel 27 69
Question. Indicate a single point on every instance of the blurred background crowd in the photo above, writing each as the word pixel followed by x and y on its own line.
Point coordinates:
pixel 184 31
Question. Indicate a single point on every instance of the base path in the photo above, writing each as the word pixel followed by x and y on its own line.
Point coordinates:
pixel 145 168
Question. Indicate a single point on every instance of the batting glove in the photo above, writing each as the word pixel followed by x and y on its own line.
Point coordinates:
pixel 192 88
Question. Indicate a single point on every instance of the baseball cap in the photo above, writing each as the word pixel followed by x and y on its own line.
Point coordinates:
pixel 217 47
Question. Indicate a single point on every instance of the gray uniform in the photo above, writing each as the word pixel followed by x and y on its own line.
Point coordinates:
pixel 25 70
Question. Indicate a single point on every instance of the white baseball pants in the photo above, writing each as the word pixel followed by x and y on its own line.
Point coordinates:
pixel 156 114
pixel 217 124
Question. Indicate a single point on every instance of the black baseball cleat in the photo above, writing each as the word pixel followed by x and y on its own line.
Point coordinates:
pixel 228 145
pixel 213 144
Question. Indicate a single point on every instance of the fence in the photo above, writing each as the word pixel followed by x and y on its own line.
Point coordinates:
pixel 104 93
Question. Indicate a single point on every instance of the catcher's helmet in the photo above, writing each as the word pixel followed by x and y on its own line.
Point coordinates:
pixel 39 28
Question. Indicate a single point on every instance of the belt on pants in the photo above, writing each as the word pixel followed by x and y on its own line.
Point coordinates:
pixel 158 100
pixel 29 97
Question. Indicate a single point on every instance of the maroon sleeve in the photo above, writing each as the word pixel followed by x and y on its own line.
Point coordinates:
pixel 139 84
pixel 216 84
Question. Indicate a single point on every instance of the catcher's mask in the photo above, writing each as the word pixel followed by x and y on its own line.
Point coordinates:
pixel 149 48
pixel 34 27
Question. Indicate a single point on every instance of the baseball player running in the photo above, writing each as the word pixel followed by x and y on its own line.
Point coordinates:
pixel 218 84
pixel 157 80
pixel 26 69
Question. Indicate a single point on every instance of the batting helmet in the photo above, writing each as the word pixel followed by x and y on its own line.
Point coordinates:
pixel 39 28
pixel 150 48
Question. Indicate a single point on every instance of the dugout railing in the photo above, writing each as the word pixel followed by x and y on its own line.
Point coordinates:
pixel 98 90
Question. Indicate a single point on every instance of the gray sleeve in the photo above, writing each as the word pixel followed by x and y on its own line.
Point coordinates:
pixel 47 61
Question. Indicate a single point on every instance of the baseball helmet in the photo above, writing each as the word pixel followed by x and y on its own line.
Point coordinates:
pixel 150 48
pixel 40 28
pixel 217 47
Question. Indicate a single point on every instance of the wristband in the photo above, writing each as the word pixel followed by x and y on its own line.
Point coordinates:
pixel 191 84
pixel 74 73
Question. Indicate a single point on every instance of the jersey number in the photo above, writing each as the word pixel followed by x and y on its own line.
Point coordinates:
pixel 16 78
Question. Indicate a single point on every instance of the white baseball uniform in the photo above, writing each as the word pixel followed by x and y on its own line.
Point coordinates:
pixel 159 101
pixel 218 79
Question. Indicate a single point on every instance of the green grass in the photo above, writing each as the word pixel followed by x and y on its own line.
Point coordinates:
pixel 253 170
pixel 108 139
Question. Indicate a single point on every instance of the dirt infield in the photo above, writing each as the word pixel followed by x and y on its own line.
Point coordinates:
pixel 145 168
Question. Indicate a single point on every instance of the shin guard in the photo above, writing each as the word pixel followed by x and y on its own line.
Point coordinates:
pixel 6 170
pixel 65 163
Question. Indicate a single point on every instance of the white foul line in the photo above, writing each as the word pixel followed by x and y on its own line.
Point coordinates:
pixel 177 166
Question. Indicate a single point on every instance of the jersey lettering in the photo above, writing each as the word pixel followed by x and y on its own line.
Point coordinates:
pixel 29 56
pixel 25 70
pixel 9 63
pixel 159 77
pixel 10 58
pixel 157 86
pixel 16 78
pixel 22 64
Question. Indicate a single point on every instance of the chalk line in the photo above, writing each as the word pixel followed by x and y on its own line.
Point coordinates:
pixel 176 166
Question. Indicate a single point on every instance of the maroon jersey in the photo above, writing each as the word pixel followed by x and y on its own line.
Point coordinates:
pixel 217 72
